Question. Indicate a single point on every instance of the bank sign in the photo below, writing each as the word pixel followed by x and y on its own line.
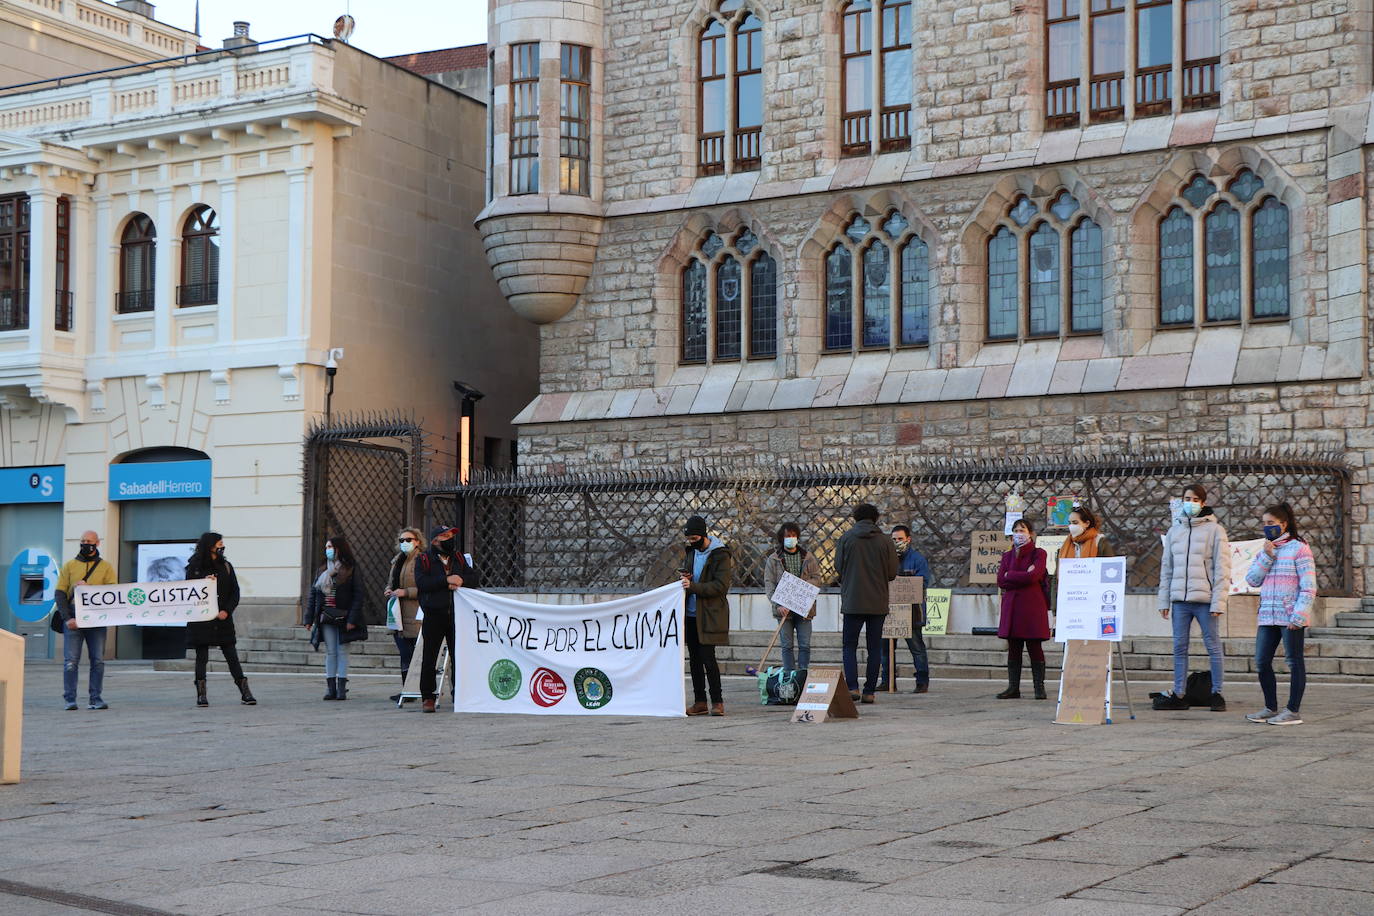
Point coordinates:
pixel 33 485
pixel 160 480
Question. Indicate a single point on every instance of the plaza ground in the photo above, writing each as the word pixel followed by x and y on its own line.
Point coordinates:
pixel 946 803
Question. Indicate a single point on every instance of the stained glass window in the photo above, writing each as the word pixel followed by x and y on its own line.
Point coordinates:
pixel 729 309
pixel 1002 284
pixel 763 306
pixel 877 317
pixel 839 308
pixel 1085 265
pixel 915 293
pixel 1044 281
pixel 1222 248
pixel 1270 254
pixel 1176 268
pixel 694 313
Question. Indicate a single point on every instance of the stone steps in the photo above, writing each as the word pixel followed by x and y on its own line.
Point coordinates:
pixel 1333 654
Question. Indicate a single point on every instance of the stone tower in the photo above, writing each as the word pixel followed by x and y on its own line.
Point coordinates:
pixel 543 218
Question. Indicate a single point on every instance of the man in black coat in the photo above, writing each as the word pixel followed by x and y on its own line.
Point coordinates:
pixel 866 560
pixel 439 572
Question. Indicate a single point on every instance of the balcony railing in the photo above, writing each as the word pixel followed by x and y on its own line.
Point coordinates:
pixel 711 154
pixel 1104 97
pixel 198 294
pixel 895 129
pixel 1153 92
pixel 747 149
pixel 134 300
pixel 855 133
pixel 1061 104
pixel 1200 88
pixel 14 309
pixel 63 311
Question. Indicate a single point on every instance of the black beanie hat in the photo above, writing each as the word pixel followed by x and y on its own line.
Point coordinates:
pixel 696 526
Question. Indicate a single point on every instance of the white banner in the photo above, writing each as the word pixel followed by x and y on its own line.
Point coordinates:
pixel 1092 595
pixel 616 658
pixel 146 604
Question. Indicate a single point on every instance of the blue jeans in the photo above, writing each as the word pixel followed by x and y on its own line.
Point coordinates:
pixel 1182 616
pixel 1267 640
pixel 72 641
pixel 802 628
pixel 406 646
pixel 335 652
pixel 872 624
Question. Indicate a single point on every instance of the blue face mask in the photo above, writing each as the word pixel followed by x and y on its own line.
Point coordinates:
pixel 1192 509
pixel 1273 532
pixel 329 553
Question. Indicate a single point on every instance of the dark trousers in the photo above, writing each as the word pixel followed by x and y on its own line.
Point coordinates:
pixel 1034 649
pixel 406 646
pixel 920 658
pixel 231 658
pixel 437 629
pixel 701 658
pixel 872 625
pixel 1267 639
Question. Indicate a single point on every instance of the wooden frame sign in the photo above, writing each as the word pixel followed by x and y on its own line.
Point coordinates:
pixel 824 696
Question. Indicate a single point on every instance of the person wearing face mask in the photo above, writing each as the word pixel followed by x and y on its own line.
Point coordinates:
pixel 208 562
pixel 334 613
pixel 401 586
pixel 87 568
pixel 1194 581
pixel 1025 611
pixel 1085 537
pixel 1286 576
pixel 911 562
pixel 439 572
pixel 706 571
pixel 791 557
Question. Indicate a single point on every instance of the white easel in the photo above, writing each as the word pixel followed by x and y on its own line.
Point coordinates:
pixel 410 687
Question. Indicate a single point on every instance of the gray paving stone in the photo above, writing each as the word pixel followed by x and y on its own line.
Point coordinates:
pixel 1187 881
pixel 1285 900
pixel 1005 880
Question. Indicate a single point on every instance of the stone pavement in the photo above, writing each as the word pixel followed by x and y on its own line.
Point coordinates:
pixel 947 803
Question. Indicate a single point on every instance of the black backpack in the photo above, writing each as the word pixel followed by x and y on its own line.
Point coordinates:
pixel 1198 689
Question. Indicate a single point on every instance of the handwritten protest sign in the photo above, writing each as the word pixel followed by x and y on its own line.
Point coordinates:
pixel 824 696
pixel 1051 544
pixel 986 555
pixel 147 604
pixel 1243 553
pixel 1083 683
pixel 795 594
pixel 902 593
pixel 937 611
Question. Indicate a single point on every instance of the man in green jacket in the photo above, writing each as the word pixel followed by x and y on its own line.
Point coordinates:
pixel 706 570
pixel 88 568
pixel 866 560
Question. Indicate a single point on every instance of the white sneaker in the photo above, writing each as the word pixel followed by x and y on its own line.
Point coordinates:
pixel 1287 717
pixel 1261 717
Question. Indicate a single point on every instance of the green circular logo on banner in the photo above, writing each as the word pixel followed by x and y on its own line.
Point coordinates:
pixel 504 679
pixel 593 688
pixel 137 596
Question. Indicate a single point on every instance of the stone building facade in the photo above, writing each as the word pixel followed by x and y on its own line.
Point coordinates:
pixel 1170 256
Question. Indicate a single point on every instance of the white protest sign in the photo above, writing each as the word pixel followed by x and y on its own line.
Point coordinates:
pixel 1243 553
pixel 1092 594
pixel 795 594
pixel 614 658
pixel 146 604
pixel 1051 544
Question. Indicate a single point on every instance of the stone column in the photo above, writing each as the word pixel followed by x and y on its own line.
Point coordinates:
pixel 105 251
pixel 295 251
pixel 168 248
pixel 42 267
pixel 228 246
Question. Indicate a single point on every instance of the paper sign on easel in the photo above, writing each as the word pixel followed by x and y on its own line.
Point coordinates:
pixel 824 696
pixel 1085 683
pixel 795 594
pixel 902 593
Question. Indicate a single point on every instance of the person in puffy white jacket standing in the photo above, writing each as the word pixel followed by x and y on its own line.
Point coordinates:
pixel 1194 581
pixel 1286 576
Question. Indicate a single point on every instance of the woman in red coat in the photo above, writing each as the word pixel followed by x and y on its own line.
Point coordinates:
pixel 1025 612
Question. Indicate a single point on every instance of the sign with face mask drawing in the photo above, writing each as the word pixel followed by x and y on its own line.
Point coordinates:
pixel 1092 594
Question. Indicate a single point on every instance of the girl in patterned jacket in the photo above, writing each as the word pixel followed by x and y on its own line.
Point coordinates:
pixel 1286 576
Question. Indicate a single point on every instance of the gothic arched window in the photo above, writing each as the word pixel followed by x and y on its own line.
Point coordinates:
pixel 199 259
pixel 729 300
pixel 137 265
pixel 885 302
pixel 730 106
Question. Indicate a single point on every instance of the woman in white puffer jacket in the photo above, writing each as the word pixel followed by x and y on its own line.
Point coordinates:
pixel 1194 580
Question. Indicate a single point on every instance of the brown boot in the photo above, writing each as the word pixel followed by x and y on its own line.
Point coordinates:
pixel 717 709
pixel 427 705
pixel 696 709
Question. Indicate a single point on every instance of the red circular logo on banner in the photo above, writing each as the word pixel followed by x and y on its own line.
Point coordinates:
pixel 546 687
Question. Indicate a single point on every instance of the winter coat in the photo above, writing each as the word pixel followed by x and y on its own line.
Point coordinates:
pixel 711 590
pixel 1196 563
pixel 1073 548
pixel 914 563
pixel 431 580
pixel 1021 576
pixel 215 632
pixel 348 597
pixel 866 560
pixel 773 569
pixel 403 576
pixel 1287 582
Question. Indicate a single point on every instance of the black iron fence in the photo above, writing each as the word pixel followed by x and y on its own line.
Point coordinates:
pixel 622 530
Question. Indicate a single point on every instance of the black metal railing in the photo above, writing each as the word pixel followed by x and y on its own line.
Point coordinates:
pixel 198 294
pixel 134 300
pixel 620 531
pixel 14 309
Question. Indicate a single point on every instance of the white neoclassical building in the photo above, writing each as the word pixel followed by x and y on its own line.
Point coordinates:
pixel 183 244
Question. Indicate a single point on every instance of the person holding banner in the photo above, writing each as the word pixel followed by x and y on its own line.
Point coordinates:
pixel 87 568
pixel 1194 581
pixel 1025 617
pixel 1286 576
pixel 208 562
pixel 791 557
pixel 334 613
pixel 706 573
pixel 439 572
pixel 911 562
pixel 401 586
pixel 866 562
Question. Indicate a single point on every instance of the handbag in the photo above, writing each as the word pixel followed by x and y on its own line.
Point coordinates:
pixel 393 613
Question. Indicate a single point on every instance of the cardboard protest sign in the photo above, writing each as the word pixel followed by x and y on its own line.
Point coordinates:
pixel 986 555
pixel 1083 682
pixel 902 593
pixel 1092 593
pixel 1051 544
pixel 1243 554
pixel 146 604
pixel 825 696
pixel 795 594
pixel 937 611
pixel 613 658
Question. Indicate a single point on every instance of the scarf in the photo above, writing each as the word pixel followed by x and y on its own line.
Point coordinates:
pixel 325 581
pixel 1085 542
